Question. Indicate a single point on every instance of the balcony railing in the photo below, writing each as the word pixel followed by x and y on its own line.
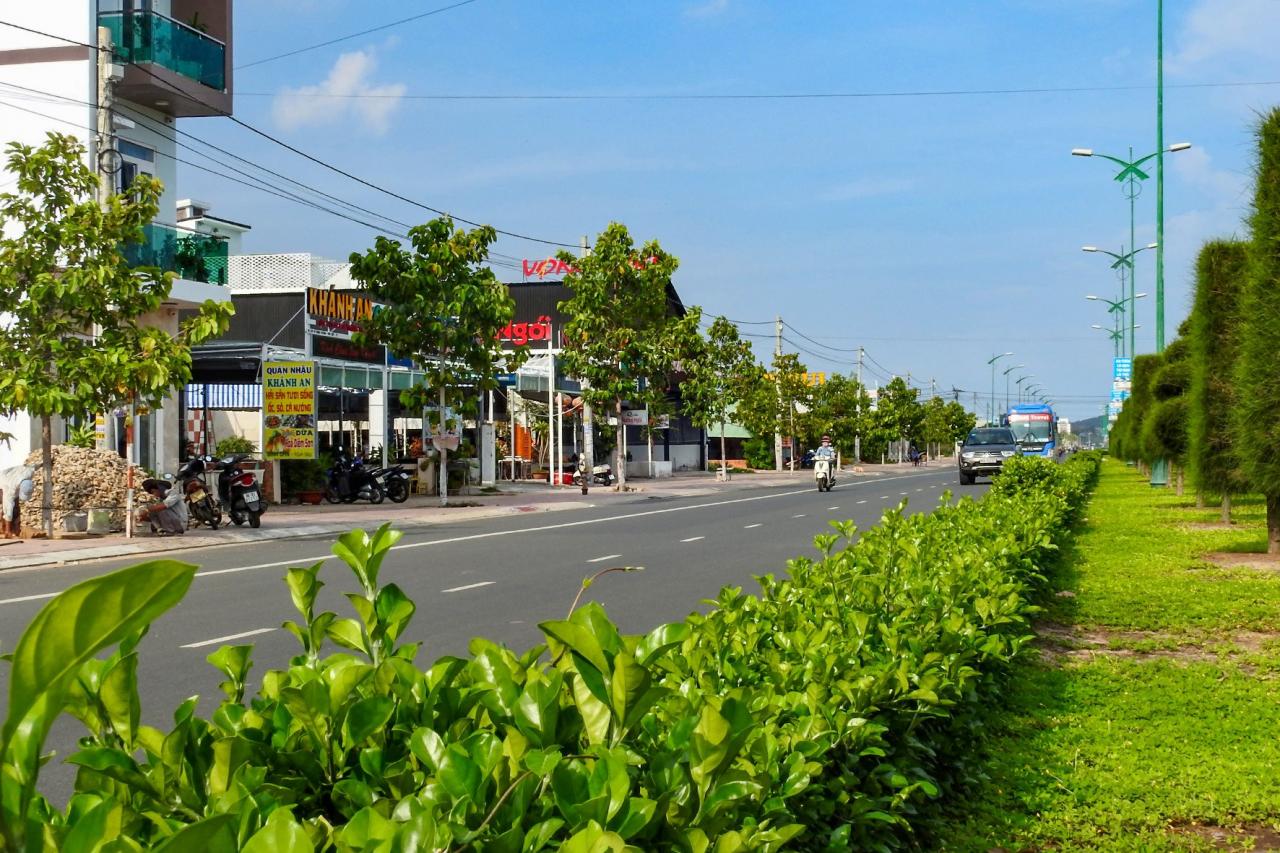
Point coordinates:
pixel 193 256
pixel 142 36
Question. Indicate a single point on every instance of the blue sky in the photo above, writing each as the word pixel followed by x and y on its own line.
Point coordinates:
pixel 933 230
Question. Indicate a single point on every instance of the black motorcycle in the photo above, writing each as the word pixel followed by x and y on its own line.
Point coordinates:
pixel 239 492
pixel 201 505
pixel 351 481
pixel 394 482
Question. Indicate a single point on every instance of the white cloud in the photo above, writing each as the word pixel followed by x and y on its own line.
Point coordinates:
pixel 707 9
pixel 1234 33
pixel 867 188
pixel 1222 188
pixel 346 94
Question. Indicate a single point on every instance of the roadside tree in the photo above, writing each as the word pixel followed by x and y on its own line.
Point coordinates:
pixel 82 333
pixel 794 398
pixel 960 420
pixel 1214 344
pixel 717 377
pixel 1138 407
pixel 898 414
pixel 618 338
pixel 442 309
pixel 839 407
pixel 1164 431
pixel 1257 410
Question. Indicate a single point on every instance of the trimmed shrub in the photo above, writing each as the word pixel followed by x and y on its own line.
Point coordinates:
pixel 826 712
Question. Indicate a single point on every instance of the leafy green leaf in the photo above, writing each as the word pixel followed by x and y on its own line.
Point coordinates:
pixel 281 834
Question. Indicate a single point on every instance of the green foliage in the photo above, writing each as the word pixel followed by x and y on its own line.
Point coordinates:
pixel 620 337
pixel 717 374
pixel 1164 430
pixel 234 444
pixel 1127 431
pixel 1214 344
pixel 303 475
pixel 1257 410
pixel 827 712
pixel 83 435
pixel 837 407
pixel 62 275
pixel 442 308
pixel 758 452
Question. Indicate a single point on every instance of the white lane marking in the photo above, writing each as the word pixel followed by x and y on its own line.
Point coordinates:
pixel 694 539
pixel 255 632
pixel 304 561
pixel 799 515
pixel 605 557
pixel 884 497
pixel 904 494
pixel 469 586
pixel 27 598
pixel 861 502
pixel 831 508
pixel 919 490
pixel 749 526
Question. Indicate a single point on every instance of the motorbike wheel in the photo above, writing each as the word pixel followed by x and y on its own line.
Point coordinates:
pixel 331 495
pixel 236 518
pixel 397 491
pixel 376 495
pixel 255 520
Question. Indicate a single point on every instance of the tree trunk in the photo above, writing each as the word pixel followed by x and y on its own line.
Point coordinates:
pixel 724 465
pixel 1226 509
pixel 1199 499
pixel 442 479
pixel 46 466
pixel 1179 482
pixel 621 449
pixel 1273 523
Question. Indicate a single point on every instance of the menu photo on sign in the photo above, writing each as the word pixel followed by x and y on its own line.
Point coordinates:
pixel 288 410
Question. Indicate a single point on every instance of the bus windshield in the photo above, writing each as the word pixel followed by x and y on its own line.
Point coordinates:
pixel 1030 428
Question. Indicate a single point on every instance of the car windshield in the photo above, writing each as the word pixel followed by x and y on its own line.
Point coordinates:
pixel 1029 430
pixel 989 436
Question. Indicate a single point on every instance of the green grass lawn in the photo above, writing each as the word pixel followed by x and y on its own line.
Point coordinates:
pixel 1152 715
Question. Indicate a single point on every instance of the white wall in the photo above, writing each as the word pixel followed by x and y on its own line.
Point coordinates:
pixel 165 168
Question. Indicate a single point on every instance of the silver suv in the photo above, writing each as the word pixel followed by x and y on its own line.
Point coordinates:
pixel 984 452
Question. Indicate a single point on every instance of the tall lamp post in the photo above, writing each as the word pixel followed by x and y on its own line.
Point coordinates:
pixel 991 411
pixel 1123 262
pixel 1006 372
pixel 1019 382
pixel 1130 176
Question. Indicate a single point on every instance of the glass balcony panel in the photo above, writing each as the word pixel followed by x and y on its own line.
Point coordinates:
pixel 142 36
pixel 195 257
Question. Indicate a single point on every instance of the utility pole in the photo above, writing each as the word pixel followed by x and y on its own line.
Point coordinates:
pixel 588 438
pixel 1160 176
pixel 777 384
pixel 857 435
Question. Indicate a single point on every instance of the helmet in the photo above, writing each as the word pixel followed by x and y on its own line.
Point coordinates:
pixel 826 438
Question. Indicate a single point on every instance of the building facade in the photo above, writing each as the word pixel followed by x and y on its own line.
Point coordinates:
pixel 167 60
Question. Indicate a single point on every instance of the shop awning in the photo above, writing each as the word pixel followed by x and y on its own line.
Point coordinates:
pixel 731 430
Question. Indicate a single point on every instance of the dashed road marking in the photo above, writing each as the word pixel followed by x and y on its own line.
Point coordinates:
pixel 694 539
pixel 749 526
pixel 229 637
pixel 469 586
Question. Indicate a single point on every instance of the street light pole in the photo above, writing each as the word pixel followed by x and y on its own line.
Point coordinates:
pixel 1007 370
pixel 1159 176
pixel 991 409
pixel 1122 261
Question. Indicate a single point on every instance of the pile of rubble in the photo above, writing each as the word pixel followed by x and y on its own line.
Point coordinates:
pixel 83 479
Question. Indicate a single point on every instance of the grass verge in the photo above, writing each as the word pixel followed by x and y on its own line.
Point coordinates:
pixel 1147 722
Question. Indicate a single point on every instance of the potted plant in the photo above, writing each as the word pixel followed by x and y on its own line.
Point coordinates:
pixel 304 479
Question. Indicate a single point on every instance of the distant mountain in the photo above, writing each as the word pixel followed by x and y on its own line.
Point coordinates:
pixel 1088 427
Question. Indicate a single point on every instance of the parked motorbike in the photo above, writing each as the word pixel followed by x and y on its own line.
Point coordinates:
pixel 601 475
pixel 394 481
pixel 239 493
pixel 202 507
pixel 350 481
pixel 824 473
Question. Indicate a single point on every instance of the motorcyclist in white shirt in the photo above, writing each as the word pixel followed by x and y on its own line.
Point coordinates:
pixel 825 450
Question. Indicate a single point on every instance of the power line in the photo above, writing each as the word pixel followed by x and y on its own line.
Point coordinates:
pixel 817 343
pixel 775 96
pixel 299 151
pixel 378 28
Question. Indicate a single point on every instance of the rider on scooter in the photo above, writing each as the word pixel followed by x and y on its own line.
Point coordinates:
pixel 825 450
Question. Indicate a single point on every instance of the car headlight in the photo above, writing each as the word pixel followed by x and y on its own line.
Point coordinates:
pixel 1006 453
pixel 967 455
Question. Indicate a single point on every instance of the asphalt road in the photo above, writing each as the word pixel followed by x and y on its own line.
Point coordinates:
pixel 495 578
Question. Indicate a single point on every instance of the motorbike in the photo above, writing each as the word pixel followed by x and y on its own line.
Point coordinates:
pixel 601 475
pixel 824 473
pixel 238 491
pixel 394 482
pixel 202 507
pixel 351 481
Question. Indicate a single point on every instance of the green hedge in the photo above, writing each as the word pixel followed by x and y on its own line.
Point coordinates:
pixel 828 711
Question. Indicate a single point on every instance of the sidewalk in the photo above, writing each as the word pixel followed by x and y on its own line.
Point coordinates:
pixel 293 521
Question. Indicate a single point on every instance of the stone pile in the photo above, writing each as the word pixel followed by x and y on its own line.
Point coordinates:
pixel 83 479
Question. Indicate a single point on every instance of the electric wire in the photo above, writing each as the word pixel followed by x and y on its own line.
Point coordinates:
pixel 299 152
pixel 350 36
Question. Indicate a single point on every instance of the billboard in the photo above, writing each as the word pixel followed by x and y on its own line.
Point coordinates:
pixel 288 410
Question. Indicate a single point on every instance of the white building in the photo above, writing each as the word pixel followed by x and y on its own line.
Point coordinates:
pixel 171 59
pixel 1064 426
